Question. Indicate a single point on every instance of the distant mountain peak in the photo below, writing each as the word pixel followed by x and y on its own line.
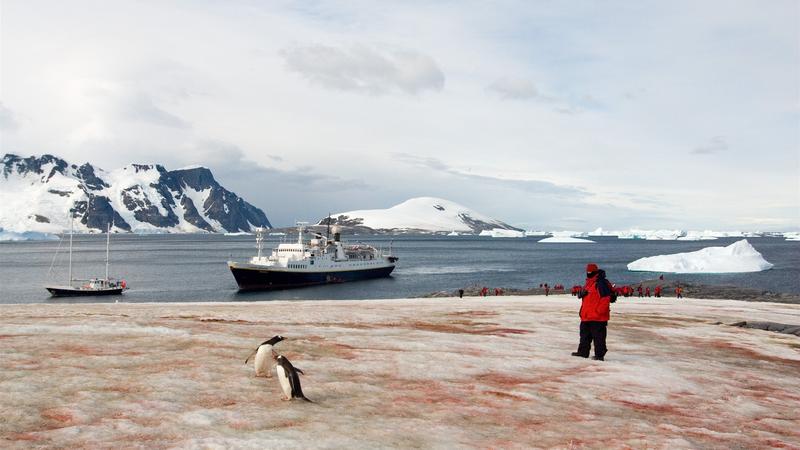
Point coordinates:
pixel 423 214
pixel 38 194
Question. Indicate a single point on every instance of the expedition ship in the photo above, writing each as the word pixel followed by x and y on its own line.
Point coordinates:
pixel 318 261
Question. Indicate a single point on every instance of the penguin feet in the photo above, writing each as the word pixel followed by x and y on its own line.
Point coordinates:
pixel 580 355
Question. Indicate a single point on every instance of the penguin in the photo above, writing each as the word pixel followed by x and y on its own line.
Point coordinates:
pixel 289 379
pixel 264 353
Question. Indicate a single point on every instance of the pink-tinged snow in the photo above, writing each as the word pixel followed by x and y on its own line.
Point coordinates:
pixel 422 213
pixel 424 373
pixel 735 258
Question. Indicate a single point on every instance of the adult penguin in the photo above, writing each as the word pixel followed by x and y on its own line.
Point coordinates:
pixel 289 379
pixel 264 355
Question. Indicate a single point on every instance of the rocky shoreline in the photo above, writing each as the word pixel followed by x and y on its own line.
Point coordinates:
pixel 690 290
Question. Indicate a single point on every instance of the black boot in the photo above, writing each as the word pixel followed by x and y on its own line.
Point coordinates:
pixel 579 354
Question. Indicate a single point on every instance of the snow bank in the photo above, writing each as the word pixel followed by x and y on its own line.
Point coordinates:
pixel 26 236
pixel 565 240
pixel 737 257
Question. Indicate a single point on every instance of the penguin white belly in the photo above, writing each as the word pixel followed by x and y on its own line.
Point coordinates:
pixel 283 378
pixel 263 360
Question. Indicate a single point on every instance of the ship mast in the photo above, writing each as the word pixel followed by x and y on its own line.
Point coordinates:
pixel 108 245
pixel 300 226
pixel 259 240
pixel 71 221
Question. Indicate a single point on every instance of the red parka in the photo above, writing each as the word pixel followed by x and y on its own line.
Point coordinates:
pixel 595 308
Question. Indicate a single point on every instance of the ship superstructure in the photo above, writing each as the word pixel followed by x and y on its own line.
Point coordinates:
pixel 320 260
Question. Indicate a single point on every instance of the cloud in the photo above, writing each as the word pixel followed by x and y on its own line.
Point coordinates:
pixel 714 145
pixel 365 69
pixel 141 107
pixel 529 186
pixel 514 88
pixel 525 89
pixel 7 120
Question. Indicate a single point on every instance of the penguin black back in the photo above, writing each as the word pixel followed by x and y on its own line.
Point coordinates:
pixel 294 378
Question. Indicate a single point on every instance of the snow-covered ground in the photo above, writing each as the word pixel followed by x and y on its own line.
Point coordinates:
pixel 425 373
pixel 735 258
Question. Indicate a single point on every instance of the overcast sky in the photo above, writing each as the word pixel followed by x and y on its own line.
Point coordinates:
pixel 544 114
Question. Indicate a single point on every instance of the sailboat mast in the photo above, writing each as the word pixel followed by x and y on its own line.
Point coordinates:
pixel 108 244
pixel 71 220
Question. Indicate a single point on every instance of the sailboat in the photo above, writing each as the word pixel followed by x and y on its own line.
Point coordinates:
pixel 92 286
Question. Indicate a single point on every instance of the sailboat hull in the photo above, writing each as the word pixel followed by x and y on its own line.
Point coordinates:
pixel 66 291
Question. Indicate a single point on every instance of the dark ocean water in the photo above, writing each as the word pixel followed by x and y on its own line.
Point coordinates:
pixel 177 268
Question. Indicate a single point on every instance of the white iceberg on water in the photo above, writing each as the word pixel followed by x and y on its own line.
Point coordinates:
pixel 735 258
pixel 26 236
pixel 792 236
pixel 565 240
pixel 502 233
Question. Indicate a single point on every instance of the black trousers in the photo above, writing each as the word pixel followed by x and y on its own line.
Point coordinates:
pixel 593 331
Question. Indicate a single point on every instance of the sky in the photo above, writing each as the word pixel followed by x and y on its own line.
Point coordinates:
pixel 544 114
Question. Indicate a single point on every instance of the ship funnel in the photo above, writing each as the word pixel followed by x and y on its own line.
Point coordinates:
pixel 337 233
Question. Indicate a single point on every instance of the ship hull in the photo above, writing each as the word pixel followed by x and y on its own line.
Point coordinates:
pixel 262 279
pixel 72 292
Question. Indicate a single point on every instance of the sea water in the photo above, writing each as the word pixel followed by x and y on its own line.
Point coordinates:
pixel 183 268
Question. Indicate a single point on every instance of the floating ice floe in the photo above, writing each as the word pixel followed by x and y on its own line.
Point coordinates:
pixel 735 258
pixel 565 240
pixel 536 233
pixel 792 236
pixel 26 236
pixel 502 233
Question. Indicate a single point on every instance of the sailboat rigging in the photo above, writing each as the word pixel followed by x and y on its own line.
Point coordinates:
pixel 92 286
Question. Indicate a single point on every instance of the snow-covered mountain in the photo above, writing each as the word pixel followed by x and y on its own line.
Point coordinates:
pixel 425 214
pixel 37 193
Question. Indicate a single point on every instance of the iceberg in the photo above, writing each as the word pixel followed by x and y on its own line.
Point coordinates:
pixel 26 236
pixel 535 233
pixel 565 240
pixel 792 236
pixel 735 258
pixel 502 233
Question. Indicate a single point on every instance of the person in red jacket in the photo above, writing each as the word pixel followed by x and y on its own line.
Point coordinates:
pixel 596 297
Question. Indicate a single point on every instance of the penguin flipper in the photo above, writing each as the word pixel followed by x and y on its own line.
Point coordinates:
pixel 299 371
pixel 251 355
